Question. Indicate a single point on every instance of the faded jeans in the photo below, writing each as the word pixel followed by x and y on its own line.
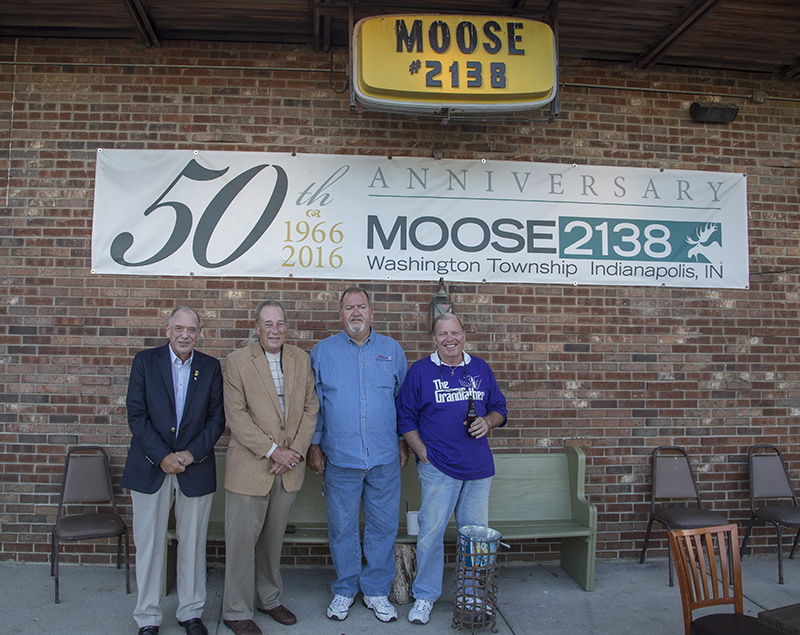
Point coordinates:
pixel 440 496
pixel 379 489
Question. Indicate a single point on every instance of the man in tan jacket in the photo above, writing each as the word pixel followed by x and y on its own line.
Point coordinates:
pixel 271 408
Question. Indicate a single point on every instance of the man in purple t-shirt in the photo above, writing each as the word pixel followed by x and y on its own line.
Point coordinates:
pixel 454 461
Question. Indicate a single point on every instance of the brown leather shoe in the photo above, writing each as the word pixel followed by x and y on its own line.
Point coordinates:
pixel 243 627
pixel 280 614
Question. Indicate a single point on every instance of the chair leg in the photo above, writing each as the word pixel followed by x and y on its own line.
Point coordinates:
pixel 52 553
pixel 646 540
pixel 55 563
pixel 780 559
pixel 730 549
pixel 669 551
pixel 747 535
pixel 119 551
pixel 669 563
pixel 794 546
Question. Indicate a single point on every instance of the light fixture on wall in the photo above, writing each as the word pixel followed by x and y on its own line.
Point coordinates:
pixel 713 112
pixel 440 303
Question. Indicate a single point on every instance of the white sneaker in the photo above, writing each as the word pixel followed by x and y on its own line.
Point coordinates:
pixel 421 612
pixel 339 607
pixel 384 611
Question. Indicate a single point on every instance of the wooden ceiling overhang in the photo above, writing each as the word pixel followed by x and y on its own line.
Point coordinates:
pixel 744 35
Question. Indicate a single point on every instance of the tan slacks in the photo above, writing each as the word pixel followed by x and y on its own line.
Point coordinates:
pixel 254 528
pixel 150 520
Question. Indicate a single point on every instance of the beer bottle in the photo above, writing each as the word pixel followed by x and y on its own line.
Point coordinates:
pixel 471 414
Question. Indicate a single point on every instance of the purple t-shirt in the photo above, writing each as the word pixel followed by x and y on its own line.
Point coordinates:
pixel 434 400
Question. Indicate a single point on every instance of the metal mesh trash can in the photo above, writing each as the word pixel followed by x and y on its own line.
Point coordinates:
pixel 476 579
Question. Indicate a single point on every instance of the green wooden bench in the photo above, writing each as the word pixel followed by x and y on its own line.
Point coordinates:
pixel 534 497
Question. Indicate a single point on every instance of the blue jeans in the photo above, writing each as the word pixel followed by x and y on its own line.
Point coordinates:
pixel 379 490
pixel 440 496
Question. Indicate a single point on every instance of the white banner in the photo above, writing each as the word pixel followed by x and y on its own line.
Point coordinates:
pixel 183 212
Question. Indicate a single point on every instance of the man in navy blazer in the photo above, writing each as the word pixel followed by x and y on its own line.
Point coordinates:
pixel 176 415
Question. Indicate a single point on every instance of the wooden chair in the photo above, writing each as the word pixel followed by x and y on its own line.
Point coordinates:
pixel 769 479
pixel 673 479
pixel 87 482
pixel 709 575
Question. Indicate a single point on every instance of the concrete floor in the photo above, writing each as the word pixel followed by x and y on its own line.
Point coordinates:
pixel 629 598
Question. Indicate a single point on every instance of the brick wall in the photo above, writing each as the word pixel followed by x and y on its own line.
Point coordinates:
pixel 616 370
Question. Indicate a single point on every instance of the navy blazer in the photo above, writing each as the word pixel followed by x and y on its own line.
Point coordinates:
pixel 152 420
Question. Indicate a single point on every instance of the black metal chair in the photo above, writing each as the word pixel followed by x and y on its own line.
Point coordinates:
pixel 87 482
pixel 673 479
pixel 769 481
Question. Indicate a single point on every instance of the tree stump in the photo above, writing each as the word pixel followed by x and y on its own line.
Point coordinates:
pixel 405 565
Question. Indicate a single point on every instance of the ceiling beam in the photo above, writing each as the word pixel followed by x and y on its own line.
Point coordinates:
pixel 551 17
pixel 685 23
pixel 143 23
pixel 315 36
pixel 792 73
pixel 324 11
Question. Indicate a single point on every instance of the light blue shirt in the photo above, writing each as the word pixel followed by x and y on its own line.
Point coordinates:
pixel 181 372
pixel 357 386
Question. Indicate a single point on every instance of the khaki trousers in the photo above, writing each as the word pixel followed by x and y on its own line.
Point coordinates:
pixel 254 529
pixel 150 519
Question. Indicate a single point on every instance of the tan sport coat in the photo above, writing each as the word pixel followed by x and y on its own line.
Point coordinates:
pixel 253 413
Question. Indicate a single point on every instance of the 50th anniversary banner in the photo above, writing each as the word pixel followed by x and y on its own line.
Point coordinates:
pixel 183 212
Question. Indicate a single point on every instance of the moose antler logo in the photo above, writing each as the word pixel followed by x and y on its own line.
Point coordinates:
pixel 711 251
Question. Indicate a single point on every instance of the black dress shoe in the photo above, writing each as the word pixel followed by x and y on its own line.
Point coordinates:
pixel 280 614
pixel 194 626
pixel 148 630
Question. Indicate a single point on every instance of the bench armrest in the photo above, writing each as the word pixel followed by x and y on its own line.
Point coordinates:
pixel 583 511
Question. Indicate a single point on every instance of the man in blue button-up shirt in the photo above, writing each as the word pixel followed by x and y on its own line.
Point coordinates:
pixel 359 373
